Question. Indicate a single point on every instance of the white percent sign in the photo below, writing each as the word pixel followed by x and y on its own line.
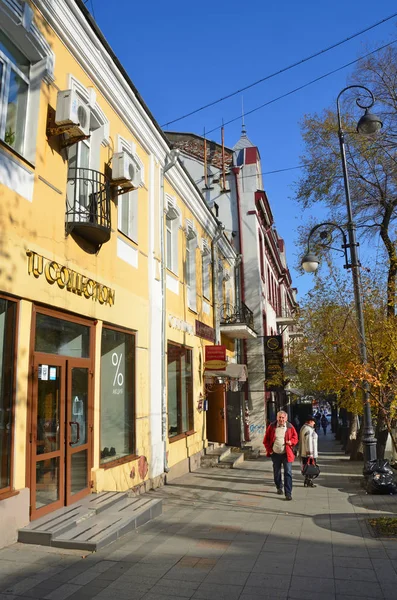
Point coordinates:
pixel 116 361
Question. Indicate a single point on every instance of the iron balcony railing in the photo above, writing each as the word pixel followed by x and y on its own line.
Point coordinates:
pixel 88 205
pixel 231 314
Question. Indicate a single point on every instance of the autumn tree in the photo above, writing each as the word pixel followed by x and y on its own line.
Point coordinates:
pixel 327 359
pixel 372 171
pixel 371 162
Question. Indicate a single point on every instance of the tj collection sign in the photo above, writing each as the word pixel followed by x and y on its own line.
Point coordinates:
pixel 68 279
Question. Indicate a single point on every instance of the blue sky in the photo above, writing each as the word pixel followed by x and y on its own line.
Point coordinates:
pixel 182 55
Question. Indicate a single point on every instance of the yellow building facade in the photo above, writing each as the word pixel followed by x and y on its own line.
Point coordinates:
pixel 107 289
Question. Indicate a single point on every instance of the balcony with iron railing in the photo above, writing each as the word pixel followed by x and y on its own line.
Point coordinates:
pixel 237 322
pixel 88 206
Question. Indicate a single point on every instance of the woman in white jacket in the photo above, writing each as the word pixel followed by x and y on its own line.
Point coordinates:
pixel 308 445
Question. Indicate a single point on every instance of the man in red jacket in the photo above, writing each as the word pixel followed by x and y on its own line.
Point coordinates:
pixel 279 441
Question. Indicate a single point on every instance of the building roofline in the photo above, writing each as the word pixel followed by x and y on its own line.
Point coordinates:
pixel 92 23
pixel 200 137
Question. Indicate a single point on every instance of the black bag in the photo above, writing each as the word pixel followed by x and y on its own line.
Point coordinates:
pixel 311 469
pixel 379 465
pixel 381 483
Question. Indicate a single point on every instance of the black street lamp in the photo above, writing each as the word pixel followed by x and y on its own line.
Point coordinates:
pixel 368 124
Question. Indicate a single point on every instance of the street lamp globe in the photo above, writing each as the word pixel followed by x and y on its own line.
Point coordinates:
pixel 369 123
pixel 310 262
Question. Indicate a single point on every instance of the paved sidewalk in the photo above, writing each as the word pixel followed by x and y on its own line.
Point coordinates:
pixel 226 535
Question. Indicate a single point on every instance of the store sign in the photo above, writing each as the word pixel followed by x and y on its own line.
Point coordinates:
pixel 274 359
pixel 215 358
pixel 179 324
pixel 67 279
pixel 205 331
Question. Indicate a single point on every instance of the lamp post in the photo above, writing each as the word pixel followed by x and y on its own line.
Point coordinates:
pixel 368 124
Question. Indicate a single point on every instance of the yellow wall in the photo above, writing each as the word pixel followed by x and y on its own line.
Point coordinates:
pixel 39 226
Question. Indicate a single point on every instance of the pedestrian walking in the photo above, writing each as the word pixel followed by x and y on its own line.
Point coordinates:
pixel 280 440
pixel 308 446
pixel 297 423
pixel 324 424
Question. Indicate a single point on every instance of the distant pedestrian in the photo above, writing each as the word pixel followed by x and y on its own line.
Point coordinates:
pixel 279 441
pixel 324 424
pixel 297 423
pixel 308 445
pixel 317 420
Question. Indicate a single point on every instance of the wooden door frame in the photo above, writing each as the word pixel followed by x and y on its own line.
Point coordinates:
pixel 65 316
pixel 219 387
pixel 71 364
pixel 59 361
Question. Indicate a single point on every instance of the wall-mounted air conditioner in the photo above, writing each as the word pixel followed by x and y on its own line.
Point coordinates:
pixel 71 110
pixel 126 170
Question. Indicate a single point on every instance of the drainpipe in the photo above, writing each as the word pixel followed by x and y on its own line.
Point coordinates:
pixel 215 292
pixel 237 296
pixel 236 171
pixel 170 161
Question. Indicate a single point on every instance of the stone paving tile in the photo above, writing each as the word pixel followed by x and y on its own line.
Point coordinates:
pixel 357 563
pixel 385 570
pixel 187 574
pixel 257 594
pixel 299 594
pixel 280 548
pixel 212 591
pixel 358 588
pixel 355 574
pixel 268 580
pixel 223 577
pixel 64 591
pixel 183 589
pixel 268 563
pixel 389 590
pixel 311 585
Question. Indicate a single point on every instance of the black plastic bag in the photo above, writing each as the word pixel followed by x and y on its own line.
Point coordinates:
pixel 379 465
pixel 381 483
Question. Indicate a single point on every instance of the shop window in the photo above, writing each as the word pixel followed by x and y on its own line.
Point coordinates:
pixel 180 390
pixel 7 358
pixel 117 395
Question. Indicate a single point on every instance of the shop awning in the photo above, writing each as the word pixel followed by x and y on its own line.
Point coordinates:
pixel 233 371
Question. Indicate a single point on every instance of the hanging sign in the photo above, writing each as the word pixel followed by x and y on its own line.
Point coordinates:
pixel 215 358
pixel 274 359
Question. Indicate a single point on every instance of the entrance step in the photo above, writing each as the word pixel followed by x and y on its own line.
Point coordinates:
pixel 213 456
pixel 231 460
pixel 94 522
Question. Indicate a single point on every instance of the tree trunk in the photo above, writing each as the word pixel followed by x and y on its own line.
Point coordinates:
pixel 356 445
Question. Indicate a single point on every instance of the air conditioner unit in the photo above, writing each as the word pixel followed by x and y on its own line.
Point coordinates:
pixel 126 171
pixel 71 110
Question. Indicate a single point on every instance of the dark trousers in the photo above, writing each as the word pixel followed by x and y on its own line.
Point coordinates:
pixel 278 461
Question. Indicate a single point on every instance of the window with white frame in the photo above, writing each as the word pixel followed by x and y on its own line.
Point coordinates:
pixel 128 203
pixel 26 60
pixel 14 89
pixel 206 274
pixel 128 215
pixel 172 223
pixel 191 246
